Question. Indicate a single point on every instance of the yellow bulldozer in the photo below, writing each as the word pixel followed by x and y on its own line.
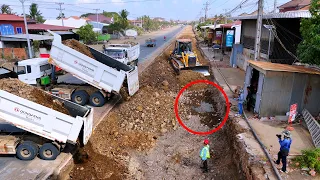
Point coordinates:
pixel 182 58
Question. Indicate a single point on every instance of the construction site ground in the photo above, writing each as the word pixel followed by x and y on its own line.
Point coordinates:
pixel 265 128
pixel 141 138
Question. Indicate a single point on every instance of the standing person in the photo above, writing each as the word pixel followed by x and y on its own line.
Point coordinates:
pixel 205 155
pixel 284 149
pixel 240 100
pixel 164 38
pixel 249 98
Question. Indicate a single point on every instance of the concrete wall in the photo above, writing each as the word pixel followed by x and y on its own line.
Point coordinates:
pixel 276 93
pixel 311 94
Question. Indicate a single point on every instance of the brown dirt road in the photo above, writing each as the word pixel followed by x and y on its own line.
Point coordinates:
pixel 141 138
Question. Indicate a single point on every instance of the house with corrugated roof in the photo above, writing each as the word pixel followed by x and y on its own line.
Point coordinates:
pixel 280 36
pixel 74 22
pixel 295 5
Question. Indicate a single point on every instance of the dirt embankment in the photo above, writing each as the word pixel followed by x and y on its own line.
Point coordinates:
pixel 137 134
pixel 18 88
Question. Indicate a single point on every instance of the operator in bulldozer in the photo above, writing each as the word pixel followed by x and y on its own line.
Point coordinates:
pixel 182 58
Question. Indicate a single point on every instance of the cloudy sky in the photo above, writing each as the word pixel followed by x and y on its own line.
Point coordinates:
pixel 169 9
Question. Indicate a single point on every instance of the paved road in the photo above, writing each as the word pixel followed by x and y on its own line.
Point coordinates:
pixel 14 169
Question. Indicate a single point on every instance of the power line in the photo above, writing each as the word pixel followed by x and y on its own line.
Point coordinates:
pixel 206 8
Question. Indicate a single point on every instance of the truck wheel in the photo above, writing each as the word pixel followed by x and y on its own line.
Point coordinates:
pixel 97 99
pixel 48 152
pixel 33 145
pixel 80 97
pixel 25 152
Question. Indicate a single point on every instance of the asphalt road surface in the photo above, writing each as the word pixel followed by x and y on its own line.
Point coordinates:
pixel 12 168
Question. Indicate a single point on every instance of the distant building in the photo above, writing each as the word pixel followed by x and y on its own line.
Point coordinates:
pixel 295 5
pixel 11 24
pixel 74 21
pixel 101 18
pixel 137 23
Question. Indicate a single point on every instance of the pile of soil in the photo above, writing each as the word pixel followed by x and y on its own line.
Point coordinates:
pixel 18 88
pixel 186 77
pixel 131 43
pixel 78 46
pixel 137 124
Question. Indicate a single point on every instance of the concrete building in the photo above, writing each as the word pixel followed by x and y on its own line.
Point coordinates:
pixel 277 86
pixel 137 23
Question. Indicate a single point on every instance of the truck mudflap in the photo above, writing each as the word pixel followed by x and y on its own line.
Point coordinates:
pixel 88 127
pixel 133 81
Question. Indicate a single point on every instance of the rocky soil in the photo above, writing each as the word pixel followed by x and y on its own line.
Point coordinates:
pixel 141 138
pixel 78 46
pixel 31 93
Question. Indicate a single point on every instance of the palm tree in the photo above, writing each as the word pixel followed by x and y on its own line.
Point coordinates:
pixel 124 18
pixel 5 9
pixel 33 11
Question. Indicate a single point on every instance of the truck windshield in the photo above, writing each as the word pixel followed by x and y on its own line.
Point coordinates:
pixel 115 54
pixel 21 70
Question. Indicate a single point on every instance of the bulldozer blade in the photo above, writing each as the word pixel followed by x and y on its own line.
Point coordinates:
pixel 201 69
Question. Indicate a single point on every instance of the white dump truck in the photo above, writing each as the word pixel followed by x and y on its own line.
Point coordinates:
pixel 124 53
pixel 87 80
pixel 28 129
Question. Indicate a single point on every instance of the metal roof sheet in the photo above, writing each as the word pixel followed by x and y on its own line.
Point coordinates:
pixel 10 17
pixel 281 15
pixel 268 66
pixel 23 37
pixel 48 27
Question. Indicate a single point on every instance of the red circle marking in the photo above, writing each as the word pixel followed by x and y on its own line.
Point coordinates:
pixel 177 111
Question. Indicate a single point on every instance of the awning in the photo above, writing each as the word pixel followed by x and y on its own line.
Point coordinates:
pixel 23 37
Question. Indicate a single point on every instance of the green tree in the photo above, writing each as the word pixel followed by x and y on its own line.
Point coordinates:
pixel 309 48
pixel 87 34
pixel 124 19
pixel 35 14
pixel 116 16
pixel 5 9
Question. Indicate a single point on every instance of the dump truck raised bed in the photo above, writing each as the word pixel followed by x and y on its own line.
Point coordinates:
pixel 44 131
pixel 125 53
pixel 105 73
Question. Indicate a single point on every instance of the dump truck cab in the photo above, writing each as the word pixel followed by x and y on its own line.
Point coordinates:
pixel 30 70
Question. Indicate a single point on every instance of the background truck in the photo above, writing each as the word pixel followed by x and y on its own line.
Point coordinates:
pixel 151 42
pixel 96 79
pixel 125 53
pixel 36 129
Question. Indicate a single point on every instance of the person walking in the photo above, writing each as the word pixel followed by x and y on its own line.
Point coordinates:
pixel 240 100
pixel 205 155
pixel 284 149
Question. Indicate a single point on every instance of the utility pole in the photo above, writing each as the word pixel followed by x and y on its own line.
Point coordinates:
pixel 206 8
pixel 26 27
pixel 275 6
pixel 60 9
pixel 225 14
pixel 257 45
pixel 97 18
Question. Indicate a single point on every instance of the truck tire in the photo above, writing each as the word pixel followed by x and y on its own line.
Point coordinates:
pixel 80 97
pixel 97 99
pixel 25 152
pixel 33 145
pixel 48 151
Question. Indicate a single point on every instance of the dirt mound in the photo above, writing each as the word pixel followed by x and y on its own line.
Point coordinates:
pixel 78 46
pixel 131 43
pixel 31 93
pixel 186 77
pixel 88 161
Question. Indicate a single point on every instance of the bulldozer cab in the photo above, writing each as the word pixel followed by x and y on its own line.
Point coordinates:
pixel 183 45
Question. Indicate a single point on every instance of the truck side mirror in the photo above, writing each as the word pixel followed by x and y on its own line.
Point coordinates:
pixel 28 69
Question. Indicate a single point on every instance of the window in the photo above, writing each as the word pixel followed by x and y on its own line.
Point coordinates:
pixel 28 69
pixel 19 30
pixel 45 67
pixel 21 70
